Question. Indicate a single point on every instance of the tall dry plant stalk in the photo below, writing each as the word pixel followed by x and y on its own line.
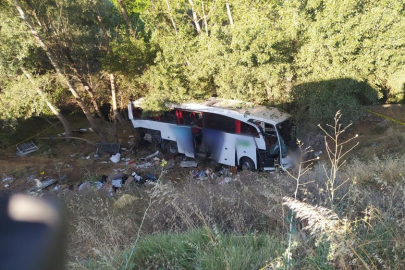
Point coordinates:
pixel 303 166
pixel 337 151
pixel 321 222
pixel 325 225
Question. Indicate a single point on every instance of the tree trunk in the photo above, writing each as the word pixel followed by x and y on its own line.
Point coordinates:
pixel 126 18
pixel 86 86
pixel 58 69
pixel 55 111
pixel 106 39
pixel 205 17
pixel 90 92
pixel 228 9
pixel 195 18
pixel 171 16
pixel 117 115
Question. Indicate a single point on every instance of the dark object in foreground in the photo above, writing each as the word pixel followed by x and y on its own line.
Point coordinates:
pixel 32 234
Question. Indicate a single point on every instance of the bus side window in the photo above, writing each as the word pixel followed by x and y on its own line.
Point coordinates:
pixel 188 118
pixel 136 112
pixel 249 130
pixel 219 122
pixel 169 117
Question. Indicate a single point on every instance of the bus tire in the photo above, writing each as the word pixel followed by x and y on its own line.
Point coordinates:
pixel 247 164
pixel 171 148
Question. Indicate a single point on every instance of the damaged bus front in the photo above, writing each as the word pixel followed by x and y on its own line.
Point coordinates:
pixel 251 137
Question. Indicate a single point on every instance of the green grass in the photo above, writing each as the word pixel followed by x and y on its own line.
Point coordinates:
pixel 201 249
pixel 206 249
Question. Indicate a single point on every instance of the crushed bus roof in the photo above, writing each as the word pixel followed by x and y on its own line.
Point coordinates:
pixel 237 109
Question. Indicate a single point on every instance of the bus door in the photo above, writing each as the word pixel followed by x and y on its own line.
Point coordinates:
pixel 183 134
pixel 275 146
pixel 219 138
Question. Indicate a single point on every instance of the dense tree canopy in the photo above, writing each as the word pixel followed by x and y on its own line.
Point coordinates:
pixel 311 56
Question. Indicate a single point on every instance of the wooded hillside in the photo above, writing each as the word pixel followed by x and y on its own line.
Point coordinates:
pixel 312 57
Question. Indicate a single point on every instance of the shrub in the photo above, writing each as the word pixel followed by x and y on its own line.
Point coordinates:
pixel 318 101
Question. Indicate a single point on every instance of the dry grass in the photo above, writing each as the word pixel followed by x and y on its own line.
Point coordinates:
pixel 364 231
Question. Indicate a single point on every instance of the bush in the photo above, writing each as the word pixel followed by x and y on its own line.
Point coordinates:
pixel 318 101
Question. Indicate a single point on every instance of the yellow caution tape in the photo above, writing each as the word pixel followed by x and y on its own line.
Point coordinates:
pixel 387 117
pixel 4 149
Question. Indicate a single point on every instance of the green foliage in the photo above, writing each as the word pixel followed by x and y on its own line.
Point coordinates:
pixel 19 104
pixel 274 49
pixel 205 249
pixel 319 101
pixel 276 46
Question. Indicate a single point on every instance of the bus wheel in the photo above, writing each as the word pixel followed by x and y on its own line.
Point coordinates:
pixel 171 148
pixel 247 164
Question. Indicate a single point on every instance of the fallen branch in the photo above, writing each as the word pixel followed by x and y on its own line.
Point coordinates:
pixel 64 138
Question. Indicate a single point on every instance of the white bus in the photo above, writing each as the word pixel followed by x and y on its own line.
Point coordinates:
pixel 231 132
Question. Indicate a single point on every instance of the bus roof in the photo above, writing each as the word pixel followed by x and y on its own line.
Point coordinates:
pixel 234 108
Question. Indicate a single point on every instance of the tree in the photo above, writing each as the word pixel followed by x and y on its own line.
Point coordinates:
pixel 57 67
pixel 19 49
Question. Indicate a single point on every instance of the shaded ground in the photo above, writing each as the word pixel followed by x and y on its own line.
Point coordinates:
pixel 74 162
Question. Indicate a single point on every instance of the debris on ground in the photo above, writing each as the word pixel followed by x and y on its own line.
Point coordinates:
pixel 318 153
pixel 151 155
pixel 234 170
pixel 83 186
pixel 144 165
pixel 199 174
pixel 137 177
pixel 115 158
pixel 124 200
pixel 99 185
pixel 117 183
pixel 24 149
pixel 151 177
pixel 7 178
pixel 130 162
pixel 224 171
pixel 170 164
pixel 108 148
pixel 81 130
pixel 226 180
pixel 42 185
pixel 188 164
